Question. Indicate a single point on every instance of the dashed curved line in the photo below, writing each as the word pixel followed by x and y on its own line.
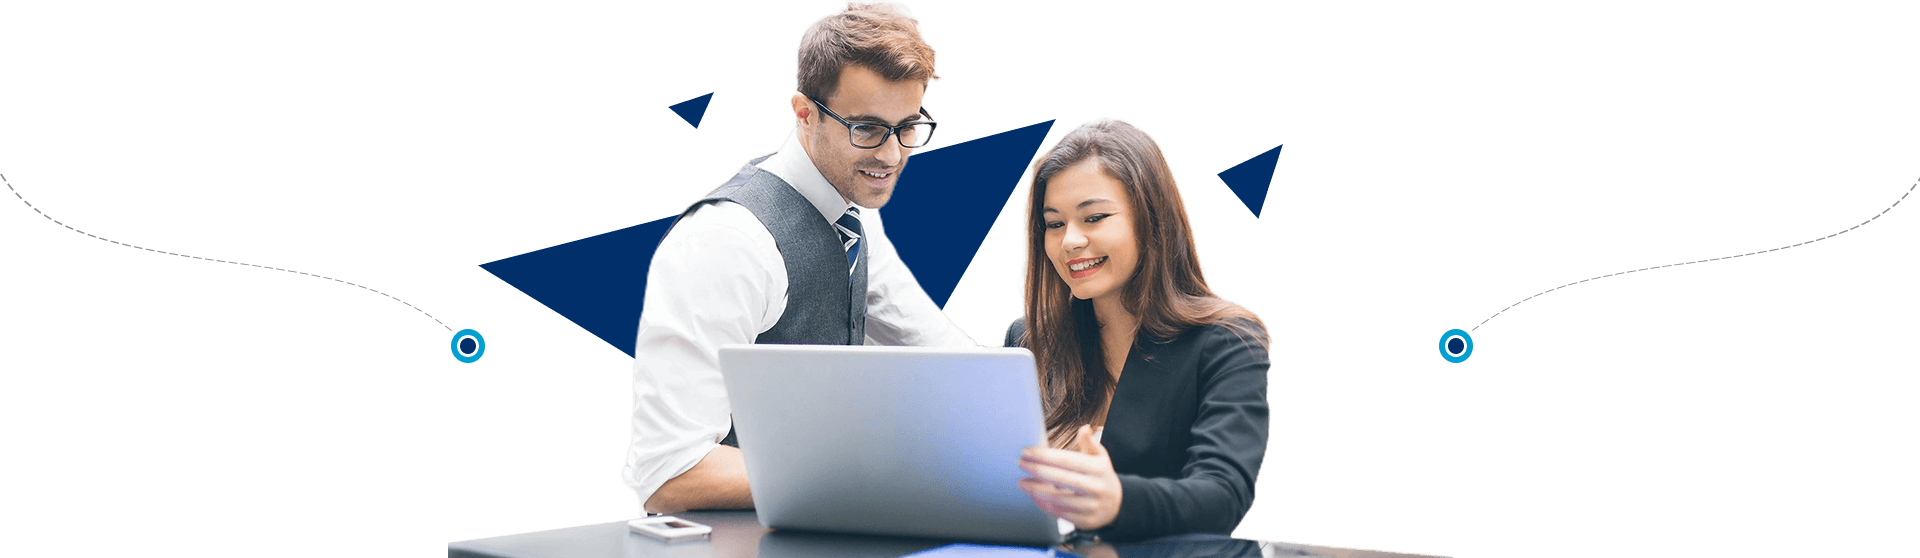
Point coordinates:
pixel 1896 203
pixel 23 199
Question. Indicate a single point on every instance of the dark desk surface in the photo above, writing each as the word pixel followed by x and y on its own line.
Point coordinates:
pixel 738 534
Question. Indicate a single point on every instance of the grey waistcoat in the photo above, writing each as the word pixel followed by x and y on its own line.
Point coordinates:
pixel 824 306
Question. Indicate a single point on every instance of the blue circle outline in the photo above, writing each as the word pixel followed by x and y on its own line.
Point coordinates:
pixel 1463 354
pixel 479 349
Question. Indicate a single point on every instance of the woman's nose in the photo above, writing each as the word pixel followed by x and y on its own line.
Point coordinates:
pixel 1073 240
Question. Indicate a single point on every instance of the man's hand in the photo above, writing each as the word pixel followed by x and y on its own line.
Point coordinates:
pixel 1077 485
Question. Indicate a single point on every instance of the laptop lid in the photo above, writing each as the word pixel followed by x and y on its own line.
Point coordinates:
pixel 904 441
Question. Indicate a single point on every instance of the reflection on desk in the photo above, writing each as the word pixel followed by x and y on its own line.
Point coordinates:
pixel 738 534
pixel 1177 546
pixel 801 544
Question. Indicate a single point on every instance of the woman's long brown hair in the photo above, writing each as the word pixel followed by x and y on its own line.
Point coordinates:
pixel 1167 291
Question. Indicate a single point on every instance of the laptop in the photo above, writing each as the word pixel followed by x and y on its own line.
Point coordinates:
pixel 898 441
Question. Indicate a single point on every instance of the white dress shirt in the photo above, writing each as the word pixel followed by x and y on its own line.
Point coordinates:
pixel 718 278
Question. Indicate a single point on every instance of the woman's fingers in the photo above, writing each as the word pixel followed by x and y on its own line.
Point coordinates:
pixel 1055 499
pixel 1079 519
pixel 1079 482
pixel 1065 459
pixel 1044 489
pixel 1080 515
pixel 1074 517
pixel 1062 506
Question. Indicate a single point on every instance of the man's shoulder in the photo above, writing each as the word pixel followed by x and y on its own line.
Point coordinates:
pixel 740 177
pixel 717 215
pixel 722 226
pixel 1016 333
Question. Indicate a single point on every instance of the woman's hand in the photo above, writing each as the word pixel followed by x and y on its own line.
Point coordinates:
pixel 1077 485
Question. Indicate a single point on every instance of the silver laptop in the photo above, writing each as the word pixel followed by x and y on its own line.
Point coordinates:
pixel 902 441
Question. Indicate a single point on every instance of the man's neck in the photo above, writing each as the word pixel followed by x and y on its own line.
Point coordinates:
pixel 800 136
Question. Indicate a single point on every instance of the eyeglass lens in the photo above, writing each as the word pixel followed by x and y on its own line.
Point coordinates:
pixel 870 135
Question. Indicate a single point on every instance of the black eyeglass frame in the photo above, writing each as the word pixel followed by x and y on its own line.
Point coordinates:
pixel 893 131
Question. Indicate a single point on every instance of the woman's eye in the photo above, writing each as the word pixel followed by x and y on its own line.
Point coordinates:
pixel 1096 218
pixel 1055 224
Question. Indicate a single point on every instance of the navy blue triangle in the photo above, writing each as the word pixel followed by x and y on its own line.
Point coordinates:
pixel 692 110
pixel 939 215
pixel 596 282
pixel 1250 179
pixel 947 198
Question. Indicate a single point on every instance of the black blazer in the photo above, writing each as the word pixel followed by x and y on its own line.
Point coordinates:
pixel 1187 429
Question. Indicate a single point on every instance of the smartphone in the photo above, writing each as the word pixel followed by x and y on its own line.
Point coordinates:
pixel 669 528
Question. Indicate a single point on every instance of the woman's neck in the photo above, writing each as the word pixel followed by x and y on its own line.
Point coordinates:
pixel 1117 329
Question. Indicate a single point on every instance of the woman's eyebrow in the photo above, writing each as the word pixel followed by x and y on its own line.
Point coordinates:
pixel 1081 205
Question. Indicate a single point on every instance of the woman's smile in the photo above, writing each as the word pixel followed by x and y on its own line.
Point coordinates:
pixel 1086 266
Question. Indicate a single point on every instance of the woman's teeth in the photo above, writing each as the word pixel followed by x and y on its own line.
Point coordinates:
pixel 1086 265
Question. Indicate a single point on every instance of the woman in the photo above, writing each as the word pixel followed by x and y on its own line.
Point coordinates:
pixel 1155 389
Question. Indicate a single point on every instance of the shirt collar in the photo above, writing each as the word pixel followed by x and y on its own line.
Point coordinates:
pixel 792 164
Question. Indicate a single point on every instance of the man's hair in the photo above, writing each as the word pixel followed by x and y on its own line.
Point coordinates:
pixel 870 35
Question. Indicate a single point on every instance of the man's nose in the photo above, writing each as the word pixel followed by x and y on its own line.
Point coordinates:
pixel 889 153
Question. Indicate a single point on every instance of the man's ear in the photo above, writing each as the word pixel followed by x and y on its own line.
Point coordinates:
pixel 802 108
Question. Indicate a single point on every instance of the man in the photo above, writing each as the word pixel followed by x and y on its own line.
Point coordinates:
pixel 784 253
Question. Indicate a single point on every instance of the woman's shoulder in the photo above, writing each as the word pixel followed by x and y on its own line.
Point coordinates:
pixel 1234 329
pixel 1223 357
pixel 1240 338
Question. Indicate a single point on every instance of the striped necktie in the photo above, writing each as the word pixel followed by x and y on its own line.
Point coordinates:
pixel 849 225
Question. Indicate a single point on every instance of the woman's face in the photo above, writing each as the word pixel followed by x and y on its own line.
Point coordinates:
pixel 1089 223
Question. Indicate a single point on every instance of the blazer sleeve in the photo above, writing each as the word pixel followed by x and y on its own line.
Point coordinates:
pixel 1215 488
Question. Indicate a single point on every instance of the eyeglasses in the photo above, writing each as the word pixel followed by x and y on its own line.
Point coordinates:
pixel 868 136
